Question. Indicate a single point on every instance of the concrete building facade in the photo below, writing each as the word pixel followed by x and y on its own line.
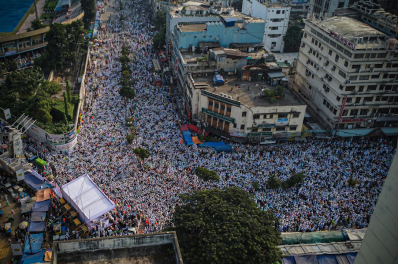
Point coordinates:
pixel 381 239
pixel 347 72
pixel 325 8
pixel 276 17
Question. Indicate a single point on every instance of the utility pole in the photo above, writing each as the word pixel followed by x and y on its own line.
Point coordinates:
pixel 37 15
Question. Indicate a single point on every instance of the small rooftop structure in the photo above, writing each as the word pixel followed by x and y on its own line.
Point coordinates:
pixel 143 248
pixel 248 93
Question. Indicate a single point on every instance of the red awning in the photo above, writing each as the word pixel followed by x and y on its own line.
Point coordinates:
pixel 197 130
pixel 193 127
pixel 184 127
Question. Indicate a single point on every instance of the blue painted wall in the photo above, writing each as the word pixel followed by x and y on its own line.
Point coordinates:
pixel 252 33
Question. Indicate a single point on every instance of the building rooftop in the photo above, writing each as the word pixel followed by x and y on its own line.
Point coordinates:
pixel 200 27
pixel 273 4
pixel 351 29
pixel 248 93
pixel 345 11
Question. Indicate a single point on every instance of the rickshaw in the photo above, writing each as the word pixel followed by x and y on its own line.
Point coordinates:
pixel 72 215
pixel 75 223
pixel 83 231
pixel 66 208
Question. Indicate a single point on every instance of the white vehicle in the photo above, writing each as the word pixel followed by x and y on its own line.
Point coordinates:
pixel 266 142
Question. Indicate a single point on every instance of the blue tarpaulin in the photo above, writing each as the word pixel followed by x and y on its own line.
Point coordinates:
pixel 36 227
pixel 26 208
pixel 33 258
pixel 351 257
pixel 36 244
pixel 187 132
pixel 327 259
pixel 288 260
pixel 41 206
pixel 38 216
pixel 225 148
pixel 218 79
pixel 34 182
pixel 188 140
pixel 306 259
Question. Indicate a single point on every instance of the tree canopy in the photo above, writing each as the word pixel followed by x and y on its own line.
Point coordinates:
pixel 206 174
pixel 127 92
pixel 225 227
pixel 142 153
pixel 292 39
pixel 88 7
pixel 62 44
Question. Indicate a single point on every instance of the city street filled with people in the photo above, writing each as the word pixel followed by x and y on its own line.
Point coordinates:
pixel 150 189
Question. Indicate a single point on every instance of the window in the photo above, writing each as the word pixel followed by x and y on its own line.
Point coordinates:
pixel 353 78
pixel 368 99
pixel 330 52
pixel 266 129
pixel 360 89
pixel 243 114
pixel 273 28
pixel 256 116
pixel 338 98
pixel 381 55
pixel 216 105
pixel 358 66
pixel 242 126
pixel 350 88
pixel 282 115
pixel 364 77
pixel 375 76
pixel 346 64
pixel 364 111
pixel 305 35
pixel 359 56
pixel 278 12
pixel 210 103
pixel 372 87
pixel 234 125
pixel 283 11
pixel 342 73
pixel 296 115
pixel 354 112
pixel 280 129
pixel 379 66
pixel 336 59
pixel 292 128
pixel 228 109
pixel 222 107
pixel 254 129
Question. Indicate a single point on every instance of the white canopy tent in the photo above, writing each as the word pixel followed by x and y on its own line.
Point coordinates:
pixel 85 196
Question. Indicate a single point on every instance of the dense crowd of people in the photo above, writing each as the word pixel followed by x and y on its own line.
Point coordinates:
pixel 150 189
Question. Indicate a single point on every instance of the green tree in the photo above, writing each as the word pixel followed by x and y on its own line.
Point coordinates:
pixel 292 39
pixel 68 93
pixel 127 92
pixel 12 65
pixel 74 34
pixel 36 24
pixel 66 104
pixel 88 7
pixel 57 45
pixel 50 87
pixel 225 227
pixel 160 19
pixel 352 182
pixel 130 138
pixel 256 186
pixel 159 39
pixel 206 174
pixel 142 153
pixel 273 182
pixel 293 180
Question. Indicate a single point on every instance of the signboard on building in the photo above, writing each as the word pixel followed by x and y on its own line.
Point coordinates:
pixel 299 2
pixel 342 40
pixel 258 134
pixel 282 122
pixel 20 175
pixel 7 113
pixel 222 117
pixel 352 120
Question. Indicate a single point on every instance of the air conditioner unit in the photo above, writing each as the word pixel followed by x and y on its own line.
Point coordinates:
pixel 372 69
pixel 333 68
pixel 348 81
pixel 317 68
pixel 326 76
pixel 326 63
pixel 322 48
pixel 327 89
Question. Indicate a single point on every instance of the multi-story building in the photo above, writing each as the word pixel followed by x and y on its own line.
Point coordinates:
pixel 276 17
pixel 372 14
pixel 347 72
pixel 237 108
pixel 325 8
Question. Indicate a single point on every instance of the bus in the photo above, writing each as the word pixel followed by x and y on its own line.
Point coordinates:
pixel 156 65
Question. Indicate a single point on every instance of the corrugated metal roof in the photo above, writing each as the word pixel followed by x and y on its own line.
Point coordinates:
pixel 321 248
pixel 356 234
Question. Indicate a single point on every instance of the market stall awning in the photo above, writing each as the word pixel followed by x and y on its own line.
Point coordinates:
pixel 276 75
pixel 41 206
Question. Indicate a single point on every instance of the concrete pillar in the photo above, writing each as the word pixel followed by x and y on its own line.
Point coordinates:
pixel 17 44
